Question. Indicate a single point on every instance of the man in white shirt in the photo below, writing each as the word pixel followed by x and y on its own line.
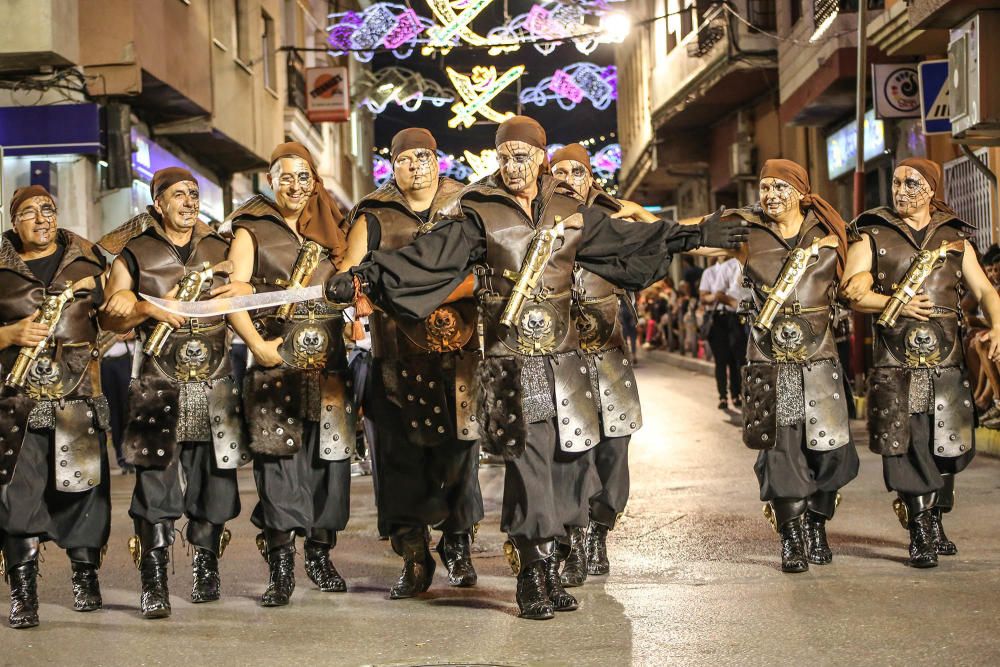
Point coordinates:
pixel 721 291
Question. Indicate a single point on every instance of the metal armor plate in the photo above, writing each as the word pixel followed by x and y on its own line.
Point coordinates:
pixel 466 396
pixel 191 358
pixel 791 338
pixel 273 404
pixel 577 420
pixel 594 325
pixel 889 411
pixel 306 345
pixel 57 373
pixel 827 425
pixel 621 413
pixel 449 328
pixel 919 344
pixel 953 432
pixel 225 416
pixel 337 423
pixel 419 391
pixel 77 448
pixel 760 421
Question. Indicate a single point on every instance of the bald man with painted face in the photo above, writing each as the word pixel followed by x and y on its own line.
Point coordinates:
pixel 920 410
pixel 537 408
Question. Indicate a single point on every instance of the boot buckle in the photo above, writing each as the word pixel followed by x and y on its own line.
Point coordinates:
pixel 224 540
pixel 135 549
pixel 769 515
pixel 513 557
pixel 902 512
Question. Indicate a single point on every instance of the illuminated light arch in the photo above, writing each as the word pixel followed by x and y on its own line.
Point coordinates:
pixel 477 90
pixel 382 25
pixel 570 85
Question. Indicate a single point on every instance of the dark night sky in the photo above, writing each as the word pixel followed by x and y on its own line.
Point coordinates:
pixel 562 126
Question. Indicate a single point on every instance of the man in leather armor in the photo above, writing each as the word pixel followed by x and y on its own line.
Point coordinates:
pixel 920 411
pixel 536 404
pixel 54 478
pixel 596 309
pixel 419 400
pixel 794 403
pixel 184 433
pixel 300 415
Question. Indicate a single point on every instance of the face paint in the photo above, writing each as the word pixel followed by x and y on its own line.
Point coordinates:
pixel 415 169
pixel 911 192
pixel 35 223
pixel 576 175
pixel 778 198
pixel 179 205
pixel 519 164
pixel 292 181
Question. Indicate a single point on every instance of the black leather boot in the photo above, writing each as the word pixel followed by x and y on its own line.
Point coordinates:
pixel 561 600
pixel 455 550
pixel 413 544
pixel 21 558
pixel 945 502
pixel 209 541
pixel 788 514
pixel 918 512
pixel 821 506
pixel 528 560
pixel 86 586
pixel 279 545
pixel 574 570
pixel 149 550
pixel 319 567
pixel 597 549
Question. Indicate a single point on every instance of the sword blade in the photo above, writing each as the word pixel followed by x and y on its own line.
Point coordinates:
pixel 237 303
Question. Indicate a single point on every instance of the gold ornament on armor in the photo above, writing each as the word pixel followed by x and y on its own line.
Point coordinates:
pixel 922 346
pixel 536 330
pixel 443 331
pixel 788 340
pixel 309 345
pixel 192 357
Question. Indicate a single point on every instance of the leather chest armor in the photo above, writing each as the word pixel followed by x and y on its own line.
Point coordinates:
pixel 912 343
pixel 802 331
pixel 63 369
pixel 199 349
pixel 313 337
pixel 595 300
pixel 452 326
pixel 545 325
pixel 62 393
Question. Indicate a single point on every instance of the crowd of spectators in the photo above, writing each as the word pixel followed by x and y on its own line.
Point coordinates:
pixel 983 373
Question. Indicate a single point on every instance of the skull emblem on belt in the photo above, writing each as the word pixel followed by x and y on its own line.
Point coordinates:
pixel 536 330
pixel 192 358
pixel 45 379
pixel 923 347
pixel 309 346
pixel 788 340
pixel 443 332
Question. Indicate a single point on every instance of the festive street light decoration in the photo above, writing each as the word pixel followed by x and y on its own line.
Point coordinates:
pixel 607 162
pixel 405 87
pixel 571 85
pixel 477 91
pixel 483 164
pixel 455 17
pixel 448 165
pixel 382 25
pixel 381 170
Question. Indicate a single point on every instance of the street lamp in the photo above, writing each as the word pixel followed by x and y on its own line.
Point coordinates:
pixel 615 27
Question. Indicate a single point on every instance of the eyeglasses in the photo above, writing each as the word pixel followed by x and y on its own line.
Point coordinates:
pixel 303 178
pixel 423 158
pixel 31 214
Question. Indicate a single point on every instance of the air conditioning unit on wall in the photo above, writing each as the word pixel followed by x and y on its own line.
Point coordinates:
pixel 974 96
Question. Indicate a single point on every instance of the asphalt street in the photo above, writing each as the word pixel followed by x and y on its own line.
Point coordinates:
pixel 694 581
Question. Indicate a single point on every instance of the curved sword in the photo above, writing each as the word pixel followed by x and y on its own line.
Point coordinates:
pixel 214 307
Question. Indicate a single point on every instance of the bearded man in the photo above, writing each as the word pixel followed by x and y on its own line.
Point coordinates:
pixel 419 401
pixel 912 263
pixel 301 419
pixel 184 432
pixel 525 231
pixel 54 482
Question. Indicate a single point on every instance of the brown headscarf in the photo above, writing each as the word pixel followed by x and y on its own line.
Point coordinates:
pixel 22 195
pixel 795 175
pixel 320 221
pixel 931 171
pixel 521 128
pixel 574 152
pixel 410 138
pixel 164 178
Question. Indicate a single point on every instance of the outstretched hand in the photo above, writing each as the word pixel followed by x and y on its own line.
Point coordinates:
pixel 340 288
pixel 727 233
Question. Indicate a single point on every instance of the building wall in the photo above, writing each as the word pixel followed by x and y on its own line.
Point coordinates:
pixel 45 29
